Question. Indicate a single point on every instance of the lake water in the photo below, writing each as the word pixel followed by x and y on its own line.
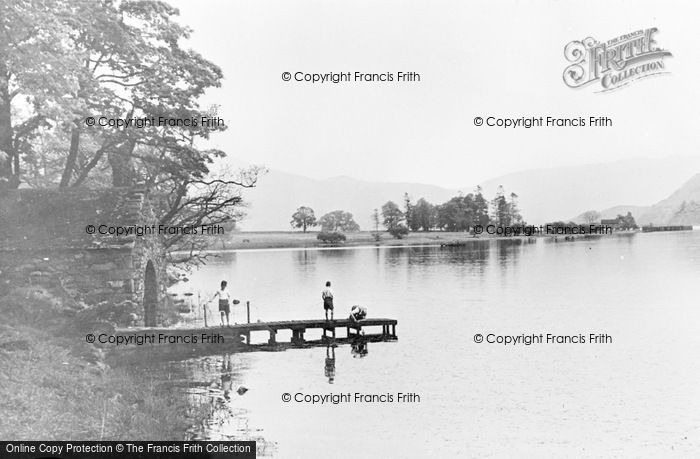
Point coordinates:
pixel 636 397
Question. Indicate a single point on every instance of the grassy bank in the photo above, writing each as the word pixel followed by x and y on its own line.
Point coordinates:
pixel 54 386
pixel 296 239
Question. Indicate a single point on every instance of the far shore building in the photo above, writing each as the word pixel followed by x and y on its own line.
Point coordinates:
pixel 46 239
pixel 614 223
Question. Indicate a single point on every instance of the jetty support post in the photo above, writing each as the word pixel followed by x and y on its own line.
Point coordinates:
pixel 356 327
pixel 298 336
pixel 273 337
pixel 204 307
pixel 330 327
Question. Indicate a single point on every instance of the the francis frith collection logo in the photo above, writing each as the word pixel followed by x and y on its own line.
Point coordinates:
pixel 615 63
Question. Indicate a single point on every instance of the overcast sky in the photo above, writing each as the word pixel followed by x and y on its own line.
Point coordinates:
pixel 474 58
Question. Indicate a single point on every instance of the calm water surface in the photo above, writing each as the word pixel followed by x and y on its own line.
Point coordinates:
pixel 636 397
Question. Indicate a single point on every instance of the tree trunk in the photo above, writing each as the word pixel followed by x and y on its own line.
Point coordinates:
pixel 9 162
pixel 120 159
pixel 72 158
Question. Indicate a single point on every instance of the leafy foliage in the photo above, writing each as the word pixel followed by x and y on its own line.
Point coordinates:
pixel 591 216
pixel 399 231
pixel 61 62
pixel 303 218
pixel 332 237
pixel 460 213
pixel 338 220
pixel 626 222
pixel 391 214
pixel 424 216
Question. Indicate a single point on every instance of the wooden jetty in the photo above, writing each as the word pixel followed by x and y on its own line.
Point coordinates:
pixel 242 332
pixel 653 229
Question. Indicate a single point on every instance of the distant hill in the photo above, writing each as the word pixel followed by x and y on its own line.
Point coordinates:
pixel 682 207
pixel 558 193
pixel 544 194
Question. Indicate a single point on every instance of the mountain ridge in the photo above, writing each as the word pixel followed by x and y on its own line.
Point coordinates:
pixel 545 194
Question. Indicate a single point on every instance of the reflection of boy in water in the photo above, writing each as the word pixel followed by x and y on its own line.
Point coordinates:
pixel 359 349
pixel 226 380
pixel 330 364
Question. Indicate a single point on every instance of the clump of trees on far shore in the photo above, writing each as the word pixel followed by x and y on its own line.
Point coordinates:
pixel 460 213
pixel 333 224
pixel 335 221
pixel 619 223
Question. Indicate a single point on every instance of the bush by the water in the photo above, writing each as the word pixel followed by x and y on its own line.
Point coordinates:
pixel 332 237
pixel 399 231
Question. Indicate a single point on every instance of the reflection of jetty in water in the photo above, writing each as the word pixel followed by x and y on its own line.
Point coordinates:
pixel 234 340
pixel 176 353
pixel 238 337
pixel 329 367
pixel 358 349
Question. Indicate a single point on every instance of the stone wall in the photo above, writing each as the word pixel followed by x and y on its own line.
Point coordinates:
pixel 86 275
pixel 44 242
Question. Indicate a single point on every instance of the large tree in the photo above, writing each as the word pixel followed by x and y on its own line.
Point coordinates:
pixel 457 214
pixel 338 220
pixel 39 77
pixel 393 218
pixel 63 62
pixel 627 222
pixel 408 210
pixel 591 216
pixel 392 215
pixel 303 218
pixel 481 208
pixel 136 68
pixel 500 208
pixel 514 210
pixel 424 216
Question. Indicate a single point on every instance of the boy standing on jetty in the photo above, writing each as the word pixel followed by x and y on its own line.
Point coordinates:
pixel 327 296
pixel 224 302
